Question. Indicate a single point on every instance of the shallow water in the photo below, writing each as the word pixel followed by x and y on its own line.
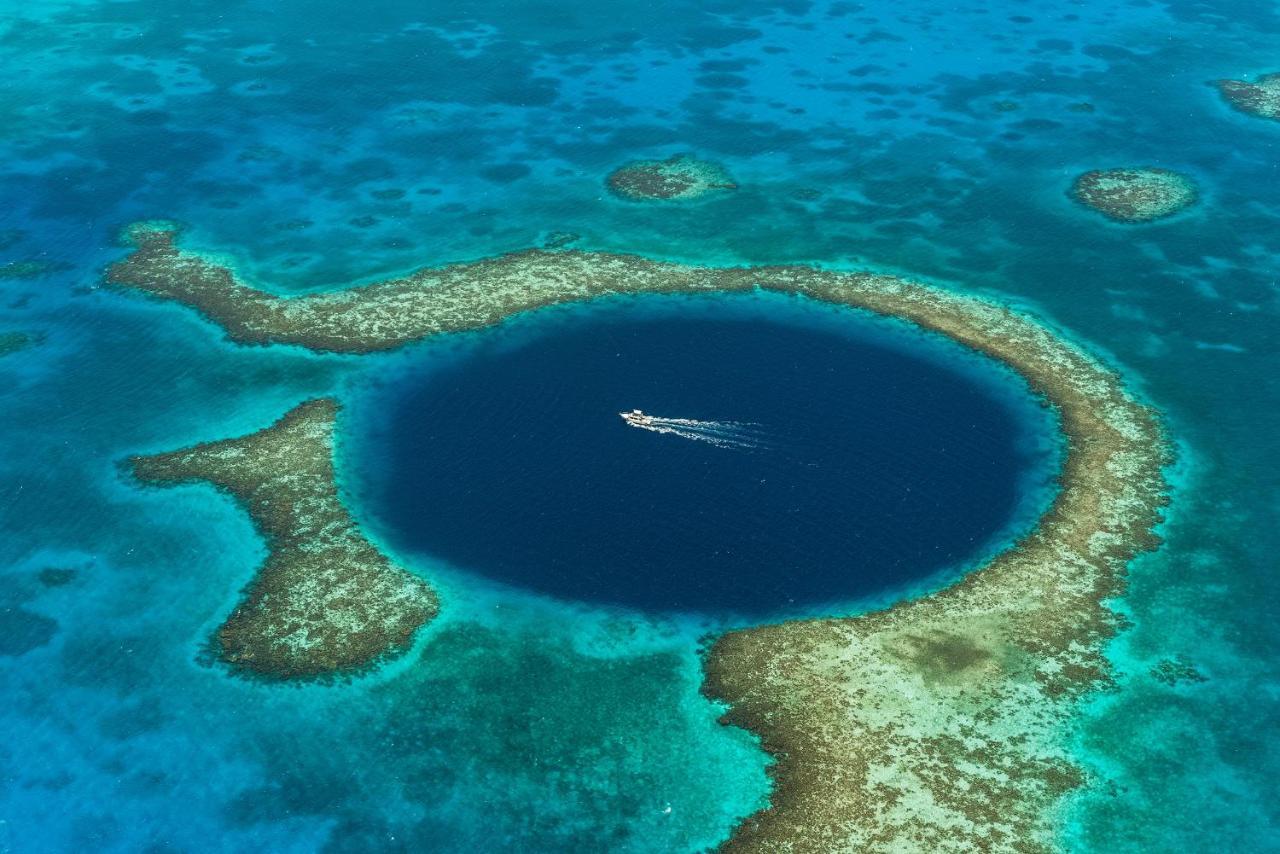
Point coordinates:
pixel 317 146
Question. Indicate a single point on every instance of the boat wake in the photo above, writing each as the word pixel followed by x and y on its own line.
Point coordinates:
pixel 722 434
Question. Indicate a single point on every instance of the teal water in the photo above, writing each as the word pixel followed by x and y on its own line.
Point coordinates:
pixel 318 144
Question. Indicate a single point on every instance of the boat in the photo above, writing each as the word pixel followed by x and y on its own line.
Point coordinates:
pixel 637 418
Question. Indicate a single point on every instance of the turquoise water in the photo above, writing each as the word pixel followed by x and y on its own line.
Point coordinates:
pixel 320 144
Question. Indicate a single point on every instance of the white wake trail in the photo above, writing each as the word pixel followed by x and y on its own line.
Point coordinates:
pixel 723 434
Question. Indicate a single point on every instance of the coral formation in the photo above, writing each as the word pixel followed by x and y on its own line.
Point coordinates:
pixel 1135 195
pixel 678 178
pixel 10 237
pixel 12 342
pixel 31 269
pixel 57 576
pixel 936 724
pixel 1174 671
pixel 560 239
pixel 1260 98
pixel 326 601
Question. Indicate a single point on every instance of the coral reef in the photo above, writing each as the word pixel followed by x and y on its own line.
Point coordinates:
pixel 1260 98
pixel 12 342
pixel 679 178
pixel 388 314
pixel 326 602
pixel 57 576
pixel 560 239
pixel 1175 671
pixel 936 724
pixel 30 269
pixel 1135 195
pixel 10 237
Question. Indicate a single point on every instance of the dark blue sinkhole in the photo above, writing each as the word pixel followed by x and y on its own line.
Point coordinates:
pixel 798 456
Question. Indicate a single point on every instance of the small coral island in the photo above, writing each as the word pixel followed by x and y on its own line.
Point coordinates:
pixel 326 602
pixel 677 179
pixel 940 723
pixel 1135 195
pixel 1260 98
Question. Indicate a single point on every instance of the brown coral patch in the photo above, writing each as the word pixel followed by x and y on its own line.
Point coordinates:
pixel 677 178
pixel 1134 195
pixel 1260 98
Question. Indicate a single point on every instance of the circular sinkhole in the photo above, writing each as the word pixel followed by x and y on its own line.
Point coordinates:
pixel 743 455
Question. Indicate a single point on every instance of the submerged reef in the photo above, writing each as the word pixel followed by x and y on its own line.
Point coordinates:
pixel 326 602
pixel 1135 195
pixel 57 576
pixel 1261 98
pixel 936 724
pixel 676 179
pixel 560 239
pixel 30 269
pixel 10 237
pixel 12 342
pixel 1176 671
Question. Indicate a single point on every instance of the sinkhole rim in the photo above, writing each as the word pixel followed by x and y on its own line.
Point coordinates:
pixel 1037 471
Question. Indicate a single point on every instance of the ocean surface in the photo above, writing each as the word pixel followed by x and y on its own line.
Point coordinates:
pixel 315 144
pixel 794 456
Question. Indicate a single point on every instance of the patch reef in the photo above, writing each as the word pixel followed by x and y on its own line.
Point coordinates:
pixel 1135 195
pixel 677 179
pixel 1260 98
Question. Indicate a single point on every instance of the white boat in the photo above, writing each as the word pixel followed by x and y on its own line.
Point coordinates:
pixel 636 418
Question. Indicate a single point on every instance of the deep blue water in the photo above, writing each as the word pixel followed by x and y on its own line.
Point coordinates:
pixel 828 462
pixel 318 143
